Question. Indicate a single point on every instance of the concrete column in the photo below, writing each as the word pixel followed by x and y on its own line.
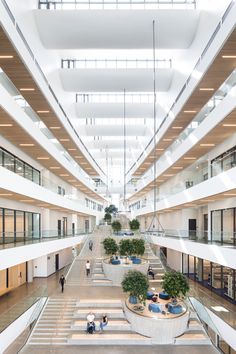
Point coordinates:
pixel 30 271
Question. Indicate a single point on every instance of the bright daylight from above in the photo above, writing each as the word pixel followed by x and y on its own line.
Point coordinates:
pixel 118 176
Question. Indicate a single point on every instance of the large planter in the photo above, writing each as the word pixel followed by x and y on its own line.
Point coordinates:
pixel 133 299
pixel 116 272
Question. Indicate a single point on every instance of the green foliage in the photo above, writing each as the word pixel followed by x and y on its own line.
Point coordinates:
pixel 175 283
pixel 116 226
pixel 134 224
pixel 126 247
pixel 110 245
pixel 138 246
pixel 111 209
pixel 107 217
pixel 136 284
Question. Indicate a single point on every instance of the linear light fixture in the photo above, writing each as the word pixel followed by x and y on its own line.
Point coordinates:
pixel 230 194
pixel 229 56
pixel 190 158
pixel 229 125
pixel 43 111
pixel 168 175
pixel 6 56
pixel 26 144
pixel 6 194
pixel 177 167
pixel 159 149
pixel 79 157
pixel 64 139
pixel 177 127
pixel 207 144
pixel 206 89
pixel 43 158
pixel 64 175
pixel 190 112
pixel 54 168
pixel 83 163
pixel 167 139
pixel 71 180
pixel 26 200
pixel 27 89
pixel 6 125
pixel 55 128
pixel 72 149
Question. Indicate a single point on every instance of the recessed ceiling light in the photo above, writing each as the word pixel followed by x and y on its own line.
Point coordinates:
pixel 54 168
pixel 229 56
pixel 43 111
pixel 206 89
pixel 43 158
pixel 207 144
pixel 177 127
pixel 190 111
pixel 189 158
pixel 6 56
pixel 229 125
pixel 27 89
pixel 55 128
pixel 6 194
pixel 6 125
pixel 27 144
pixel 26 200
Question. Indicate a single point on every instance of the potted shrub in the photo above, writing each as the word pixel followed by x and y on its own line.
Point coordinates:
pixel 136 284
pixel 111 209
pixel 175 284
pixel 116 226
pixel 126 247
pixel 107 218
pixel 134 224
pixel 138 246
pixel 110 246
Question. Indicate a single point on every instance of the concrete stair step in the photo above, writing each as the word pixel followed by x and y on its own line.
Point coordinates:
pixel 98 282
pixel 46 341
pixel 99 276
pixel 110 312
pixel 194 324
pixel 193 338
pixel 98 270
pixel 99 303
pixel 107 338
pixel 113 325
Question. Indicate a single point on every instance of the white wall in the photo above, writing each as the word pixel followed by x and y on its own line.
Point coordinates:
pixel 174 259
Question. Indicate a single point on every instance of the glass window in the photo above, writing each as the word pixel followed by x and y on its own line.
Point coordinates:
pixel 228 281
pixel 9 161
pixel 19 222
pixel 216 225
pixel 28 172
pixel 28 225
pixel 19 167
pixel 9 225
pixel 1 225
pixel 206 272
pixel 228 225
pixel 216 275
pixel 36 176
pixel 36 225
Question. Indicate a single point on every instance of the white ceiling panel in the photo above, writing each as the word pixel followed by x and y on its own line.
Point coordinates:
pixel 112 29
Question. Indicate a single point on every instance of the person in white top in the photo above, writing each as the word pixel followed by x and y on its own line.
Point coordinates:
pixel 90 317
pixel 87 268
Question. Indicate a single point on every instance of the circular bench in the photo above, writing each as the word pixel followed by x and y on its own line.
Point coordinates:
pixel 164 296
pixel 175 309
pixel 154 308
pixel 150 294
pixel 115 261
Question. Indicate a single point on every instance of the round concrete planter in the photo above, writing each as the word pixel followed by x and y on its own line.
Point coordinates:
pixel 116 272
pixel 163 329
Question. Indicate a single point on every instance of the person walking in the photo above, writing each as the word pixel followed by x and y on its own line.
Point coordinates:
pixel 87 268
pixel 91 245
pixel 62 282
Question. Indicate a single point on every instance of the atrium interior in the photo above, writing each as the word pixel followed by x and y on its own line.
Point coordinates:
pixel 118 176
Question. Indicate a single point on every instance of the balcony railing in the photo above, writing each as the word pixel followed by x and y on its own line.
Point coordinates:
pixel 116 97
pixel 116 4
pixel 115 64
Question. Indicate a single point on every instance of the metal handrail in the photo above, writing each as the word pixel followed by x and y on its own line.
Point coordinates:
pixel 185 86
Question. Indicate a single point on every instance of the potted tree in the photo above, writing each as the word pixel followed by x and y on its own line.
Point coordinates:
pixel 134 224
pixel 110 246
pixel 107 218
pixel 116 226
pixel 138 246
pixel 136 284
pixel 175 284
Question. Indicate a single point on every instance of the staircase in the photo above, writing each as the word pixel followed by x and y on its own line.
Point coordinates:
pixel 98 276
pixel 54 324
pixel 156 265
pixel 117 332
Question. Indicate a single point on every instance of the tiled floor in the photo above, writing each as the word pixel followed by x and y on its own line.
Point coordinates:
pixel 78 286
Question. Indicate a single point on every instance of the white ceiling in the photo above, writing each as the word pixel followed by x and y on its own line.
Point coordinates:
pixel 112 80
pixel 111 29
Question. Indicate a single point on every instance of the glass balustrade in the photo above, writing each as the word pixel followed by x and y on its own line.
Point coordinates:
pixel 115 64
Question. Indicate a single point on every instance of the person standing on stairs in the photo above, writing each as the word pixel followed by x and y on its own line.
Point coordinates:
pixel 62 281
pixel 91 245
pixel 87 266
